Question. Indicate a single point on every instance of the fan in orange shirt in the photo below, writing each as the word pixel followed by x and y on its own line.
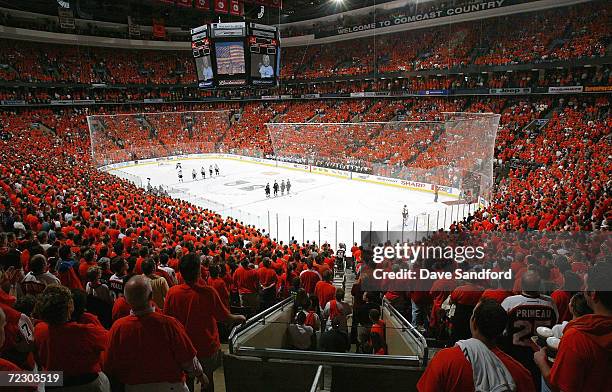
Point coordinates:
pixel 583 360
pixel 455 369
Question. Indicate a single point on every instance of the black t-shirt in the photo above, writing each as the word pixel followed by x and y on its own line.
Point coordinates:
pixel 362 313
pixel 333 341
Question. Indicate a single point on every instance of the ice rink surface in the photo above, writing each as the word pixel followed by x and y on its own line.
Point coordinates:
pixel 319 208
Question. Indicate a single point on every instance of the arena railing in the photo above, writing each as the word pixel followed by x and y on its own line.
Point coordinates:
pixel 408 332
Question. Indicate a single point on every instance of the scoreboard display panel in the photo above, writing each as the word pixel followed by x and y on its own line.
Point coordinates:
pixel 263 45
pixel 200 48
pixel 235 55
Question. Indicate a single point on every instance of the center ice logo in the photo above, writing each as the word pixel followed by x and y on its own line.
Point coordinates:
pixel 248 188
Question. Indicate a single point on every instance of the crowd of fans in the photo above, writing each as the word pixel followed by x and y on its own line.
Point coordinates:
pixel 571 33
pixel 576 33
pixel 113 248
pixel 119 287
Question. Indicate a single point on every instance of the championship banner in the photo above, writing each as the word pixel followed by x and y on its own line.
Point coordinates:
pixel 133 28
pixel 159 30
pixel 184 3
pixel 236 8
pixel 202 4
pixel 66 18
pixel 221 6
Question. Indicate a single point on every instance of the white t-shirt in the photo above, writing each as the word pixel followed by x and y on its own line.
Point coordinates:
pixel 300 336
pixel 266 71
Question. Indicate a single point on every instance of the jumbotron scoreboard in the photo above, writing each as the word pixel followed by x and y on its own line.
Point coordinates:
pixel 235 55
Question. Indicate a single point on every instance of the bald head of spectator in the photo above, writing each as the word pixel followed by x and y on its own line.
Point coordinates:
pixel 138 292
pixel 530 283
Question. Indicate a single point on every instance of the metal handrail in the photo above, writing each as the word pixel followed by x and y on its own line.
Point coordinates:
pixel 317 378
pixel 331 358
pixel 258 319
pixel 414 333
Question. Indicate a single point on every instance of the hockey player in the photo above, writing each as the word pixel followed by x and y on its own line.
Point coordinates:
pixel 435 193
pixel 275 187
pixel 282 187
pixel 178 166
pixel 180 175
pixel 210 170
pixel 216 170
pixel 268 190
pixel 194 175
pixel 288 186
pixel 203 171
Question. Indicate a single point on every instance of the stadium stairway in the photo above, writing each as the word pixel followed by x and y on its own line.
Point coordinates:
pixel 43 128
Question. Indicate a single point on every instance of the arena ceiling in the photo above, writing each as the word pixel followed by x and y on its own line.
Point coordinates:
pixel 308 9
pixel 144 10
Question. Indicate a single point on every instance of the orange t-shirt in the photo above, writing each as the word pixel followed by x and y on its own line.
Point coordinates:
pixel 148 349
pixel 450 371
pixel 325 292
pixel 198 308
pixel 586 340
pixel 71 347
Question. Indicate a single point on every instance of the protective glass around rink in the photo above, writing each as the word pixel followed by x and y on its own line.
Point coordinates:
pixel 383 165
pixel 452 156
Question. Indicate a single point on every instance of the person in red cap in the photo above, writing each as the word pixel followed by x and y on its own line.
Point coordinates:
pixel 583 360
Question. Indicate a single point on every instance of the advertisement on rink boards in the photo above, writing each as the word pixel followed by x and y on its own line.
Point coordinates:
pixel 510 91
pixel 565 89
pixel 413 185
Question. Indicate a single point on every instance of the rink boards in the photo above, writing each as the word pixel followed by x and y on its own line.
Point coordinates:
pixel 348 175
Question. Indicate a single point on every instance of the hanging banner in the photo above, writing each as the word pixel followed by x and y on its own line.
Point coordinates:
pixel 184 3
pixel 221 6
pixel 202 4
pixel 66 18
pixel 236 8
pixel 133 28
pixel 159 30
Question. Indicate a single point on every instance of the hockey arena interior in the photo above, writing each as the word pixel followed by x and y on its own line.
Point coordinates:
pixel 305 195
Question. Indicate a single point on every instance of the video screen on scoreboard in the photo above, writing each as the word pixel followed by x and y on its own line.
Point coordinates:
pixel 200 48
pixel 204 68
pixel 230 58
pixel 262 65
pixel 263 48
